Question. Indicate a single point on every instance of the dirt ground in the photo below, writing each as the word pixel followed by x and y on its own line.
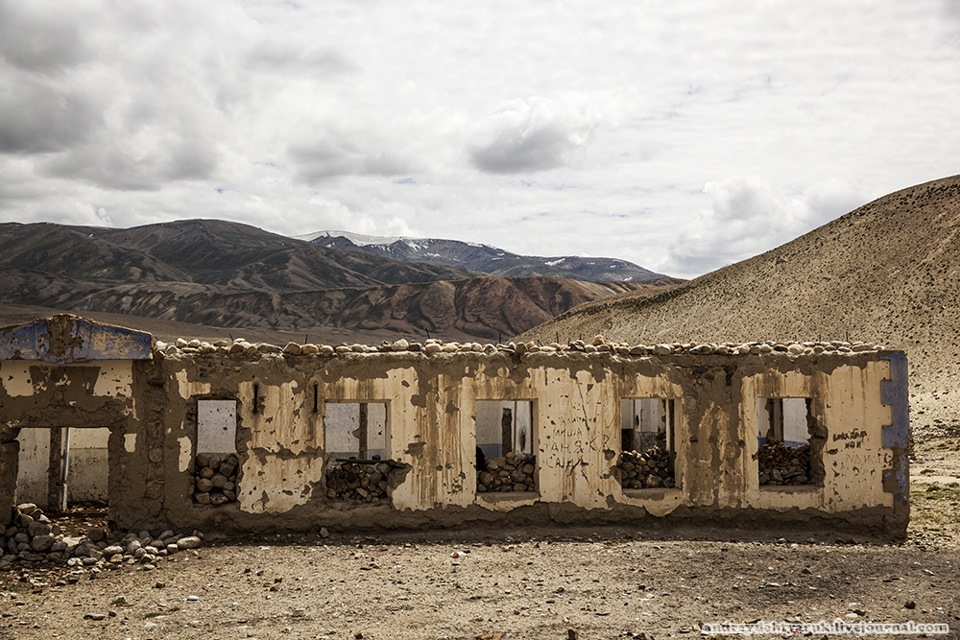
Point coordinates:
pixel 580 583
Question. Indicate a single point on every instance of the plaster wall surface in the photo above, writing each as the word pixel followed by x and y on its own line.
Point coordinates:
pixel 431 428
pixel 89 465
pixel 34 463
pixel 429 414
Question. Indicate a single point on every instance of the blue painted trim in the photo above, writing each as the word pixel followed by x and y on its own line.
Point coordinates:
pixel 896 393
pixel 84 341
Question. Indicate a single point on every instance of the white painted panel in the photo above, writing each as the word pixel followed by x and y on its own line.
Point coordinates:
pixel 216 426
pixel 523 426
pixel 340 423
pixel 377 429
pixel 88 469
pixel 795 431
pixel 33 464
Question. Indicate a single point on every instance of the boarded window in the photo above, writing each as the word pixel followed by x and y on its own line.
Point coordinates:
pixel 217 426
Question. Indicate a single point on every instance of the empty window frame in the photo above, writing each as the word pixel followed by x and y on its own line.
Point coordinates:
pixel 505 434
pixel 216 466
pixel 354 431
pixel 787 445
pixel 647 443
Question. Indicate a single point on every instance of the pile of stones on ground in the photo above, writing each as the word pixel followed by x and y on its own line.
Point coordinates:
pixel 784 465
pixel 359 481
pixel 215 478
pixel 512 472
pixel 32 538
pixel 646 469
pixel 433 346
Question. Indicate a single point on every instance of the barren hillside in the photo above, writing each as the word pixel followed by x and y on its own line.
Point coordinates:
pixel 888 272
pixel 217 275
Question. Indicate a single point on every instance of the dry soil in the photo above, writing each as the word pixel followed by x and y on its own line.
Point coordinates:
pixel 611 583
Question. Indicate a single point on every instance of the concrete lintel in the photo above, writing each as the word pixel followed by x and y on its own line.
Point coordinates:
pixel 67 339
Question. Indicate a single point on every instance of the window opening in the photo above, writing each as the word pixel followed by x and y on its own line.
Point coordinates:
pixel 357 468
pixel 216 465
pixel 647 443
pixel 505 460
pixel 787 444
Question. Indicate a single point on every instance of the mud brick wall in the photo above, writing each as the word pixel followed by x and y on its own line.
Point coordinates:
pixel 856 392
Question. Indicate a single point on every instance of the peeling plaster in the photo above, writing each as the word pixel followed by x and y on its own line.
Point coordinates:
pixel 431 430
pixel 186 453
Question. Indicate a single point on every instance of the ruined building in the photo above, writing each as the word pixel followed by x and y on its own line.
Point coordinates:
pixel 241 437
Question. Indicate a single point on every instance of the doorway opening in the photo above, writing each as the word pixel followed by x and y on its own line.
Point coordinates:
pixel 63 468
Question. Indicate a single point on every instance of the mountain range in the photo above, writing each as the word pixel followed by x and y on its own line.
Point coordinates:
pixel 483 258
pixel 231 275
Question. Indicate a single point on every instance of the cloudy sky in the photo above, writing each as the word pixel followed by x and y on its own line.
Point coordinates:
pixel 682 136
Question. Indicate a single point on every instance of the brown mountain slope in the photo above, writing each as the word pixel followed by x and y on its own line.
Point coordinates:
pixel 475 308
pixel 238 255
pixel 888 272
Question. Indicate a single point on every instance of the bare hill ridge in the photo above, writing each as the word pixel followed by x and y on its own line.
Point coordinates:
pixel 484 258
pixel 213 273
pixel 888 272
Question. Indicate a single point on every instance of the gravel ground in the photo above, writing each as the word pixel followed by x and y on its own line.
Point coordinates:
pixel 520 584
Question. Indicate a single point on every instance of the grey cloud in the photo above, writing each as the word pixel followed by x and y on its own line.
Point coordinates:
pixel 39 36
pixel 340 154
pixel 136 165
pixel 532 135
pixel 517 150
pixel 285 56
pixel 36 118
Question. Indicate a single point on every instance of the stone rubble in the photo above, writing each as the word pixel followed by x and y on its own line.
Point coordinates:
pixel 437 347
pixel 33 538
pixel 512 472
pixel 215 478
pixel 360 482
pixel 780 464
pixel 647 469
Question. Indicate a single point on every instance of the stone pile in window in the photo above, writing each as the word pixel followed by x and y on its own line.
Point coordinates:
pixel 435 347
pixel 647 469
pixel 215 478
pixel 781 464
pixel 358 481
pixel 33 538
pixel 512 472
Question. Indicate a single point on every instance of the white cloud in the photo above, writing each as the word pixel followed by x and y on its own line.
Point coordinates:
pixel 747 216
pixel 545 128
pixel 531 135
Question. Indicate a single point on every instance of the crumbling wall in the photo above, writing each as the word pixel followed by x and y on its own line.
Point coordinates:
pixel 52 397
pixel 430 394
